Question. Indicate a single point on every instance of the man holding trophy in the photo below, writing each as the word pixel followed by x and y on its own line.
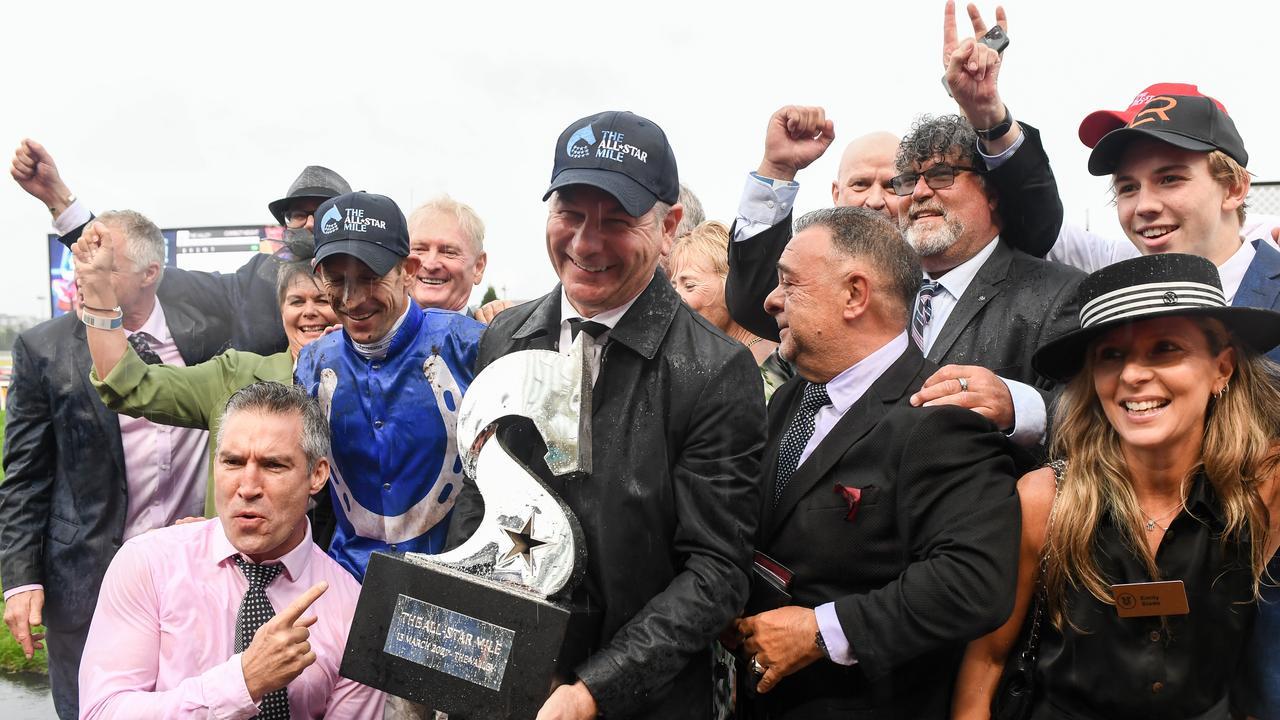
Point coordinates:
pixel 668 512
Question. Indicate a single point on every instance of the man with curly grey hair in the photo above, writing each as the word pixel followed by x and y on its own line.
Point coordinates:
pixel 983 308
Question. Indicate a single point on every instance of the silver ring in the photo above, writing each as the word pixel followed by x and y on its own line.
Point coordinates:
pixel 964 384
pixel 756 667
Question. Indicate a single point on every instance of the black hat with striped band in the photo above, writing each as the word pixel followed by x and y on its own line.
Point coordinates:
pixel 1149 287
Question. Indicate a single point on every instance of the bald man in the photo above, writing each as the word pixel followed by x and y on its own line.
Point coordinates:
pixel 1017 170
pixel 866 167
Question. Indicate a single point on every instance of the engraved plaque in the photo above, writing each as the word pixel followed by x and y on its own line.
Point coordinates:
pixel 453 643
pixel 485 630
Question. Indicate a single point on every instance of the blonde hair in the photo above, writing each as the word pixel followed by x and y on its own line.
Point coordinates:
pixel 470 223
pixel 1229 173
pixel 1237 456
pixel 707 243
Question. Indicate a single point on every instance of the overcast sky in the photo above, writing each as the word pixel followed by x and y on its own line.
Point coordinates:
pixel 199 114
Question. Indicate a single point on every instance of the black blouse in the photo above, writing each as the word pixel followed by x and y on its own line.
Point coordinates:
pixel 1164 668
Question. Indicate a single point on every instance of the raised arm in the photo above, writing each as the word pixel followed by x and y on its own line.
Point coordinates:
pixel 795 137
pixel 1029 206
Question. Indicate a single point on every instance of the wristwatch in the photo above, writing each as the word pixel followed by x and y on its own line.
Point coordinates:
pixel 1000 129
pixel 822 644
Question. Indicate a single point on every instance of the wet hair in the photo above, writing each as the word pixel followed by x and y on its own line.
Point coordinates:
pixel 870 236
pixel 273 398
pixel 143 240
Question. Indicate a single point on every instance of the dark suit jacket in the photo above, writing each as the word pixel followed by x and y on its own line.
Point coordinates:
pixel 64 498
pixel 670 509
pixel 927 562
pixel 1260 287
pixel 1029 208
pixel 240 309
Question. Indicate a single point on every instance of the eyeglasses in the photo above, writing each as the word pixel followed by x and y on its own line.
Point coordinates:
pixel 937 177
pixel 296 218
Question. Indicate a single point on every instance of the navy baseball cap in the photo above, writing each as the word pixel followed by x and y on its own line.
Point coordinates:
pixel 1190 122
pixel 368 227
pixel 621 153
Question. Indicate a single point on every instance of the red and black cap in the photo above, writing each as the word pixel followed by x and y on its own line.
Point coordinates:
pixel 1173 113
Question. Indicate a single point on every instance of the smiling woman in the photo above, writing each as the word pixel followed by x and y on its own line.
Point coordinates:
pixel 699 265
pixel 1168 430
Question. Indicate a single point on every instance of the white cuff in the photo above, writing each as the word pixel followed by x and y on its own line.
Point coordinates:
pixel 1029 415
pixel 73 217
pixel 994 161
pixel 765 202
pixel 833 635
pixel 21 589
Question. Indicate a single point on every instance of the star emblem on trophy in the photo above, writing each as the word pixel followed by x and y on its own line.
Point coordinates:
pixel 483 630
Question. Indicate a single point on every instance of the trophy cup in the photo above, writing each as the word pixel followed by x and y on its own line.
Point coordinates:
pixel 483 631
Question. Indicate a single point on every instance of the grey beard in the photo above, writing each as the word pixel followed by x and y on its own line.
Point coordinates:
pixel 936 242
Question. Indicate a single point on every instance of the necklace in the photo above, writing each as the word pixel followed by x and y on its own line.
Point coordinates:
pixel 754 341
pixel 1151 523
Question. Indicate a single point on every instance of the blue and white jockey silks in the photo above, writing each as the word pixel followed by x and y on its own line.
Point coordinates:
pixel 395 465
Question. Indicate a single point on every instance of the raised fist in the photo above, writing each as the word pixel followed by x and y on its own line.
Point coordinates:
pixel 796 136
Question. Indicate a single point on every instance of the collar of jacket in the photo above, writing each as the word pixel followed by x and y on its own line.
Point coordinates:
pixel 641 329
pixel 404 336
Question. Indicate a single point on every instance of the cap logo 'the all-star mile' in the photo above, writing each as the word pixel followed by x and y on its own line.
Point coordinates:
pixel 583 135
pixel 329 222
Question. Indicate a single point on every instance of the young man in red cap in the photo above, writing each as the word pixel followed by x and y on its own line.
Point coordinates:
pixel 1177 164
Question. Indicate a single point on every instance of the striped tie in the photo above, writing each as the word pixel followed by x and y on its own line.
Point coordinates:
pixel 924 311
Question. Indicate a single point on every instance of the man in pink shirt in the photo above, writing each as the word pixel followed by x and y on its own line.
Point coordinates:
pixel 187 621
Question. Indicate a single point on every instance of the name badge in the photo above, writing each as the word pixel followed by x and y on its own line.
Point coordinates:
pixel 1148 599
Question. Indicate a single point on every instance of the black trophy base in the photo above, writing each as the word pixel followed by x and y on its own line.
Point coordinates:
pixel 454 642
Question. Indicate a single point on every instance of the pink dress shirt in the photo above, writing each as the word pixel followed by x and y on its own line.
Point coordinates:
pixel 164 465
pixel 160 644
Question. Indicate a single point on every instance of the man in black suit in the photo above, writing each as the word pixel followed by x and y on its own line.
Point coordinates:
pixel 999 304
pixel 79 480
pixel 900 524
pixel 677 426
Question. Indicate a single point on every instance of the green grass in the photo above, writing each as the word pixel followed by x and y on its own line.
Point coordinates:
pixel 11 657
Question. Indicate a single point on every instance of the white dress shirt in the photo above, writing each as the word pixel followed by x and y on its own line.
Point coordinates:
pixel 608 318
pixel 766 202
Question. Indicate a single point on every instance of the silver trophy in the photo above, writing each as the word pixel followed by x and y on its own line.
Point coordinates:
pixel 483 630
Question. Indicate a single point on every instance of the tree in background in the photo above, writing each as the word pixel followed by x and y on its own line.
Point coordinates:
pixel 489 296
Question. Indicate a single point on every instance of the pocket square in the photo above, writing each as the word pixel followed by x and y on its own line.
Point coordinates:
pixel 852 497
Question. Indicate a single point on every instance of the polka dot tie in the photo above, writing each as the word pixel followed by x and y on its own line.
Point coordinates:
pixel 255 609
pixel 797 436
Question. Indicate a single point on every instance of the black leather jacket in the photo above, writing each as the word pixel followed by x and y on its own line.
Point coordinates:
pixel 671 510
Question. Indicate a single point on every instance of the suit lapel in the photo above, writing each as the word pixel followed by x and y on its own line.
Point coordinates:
pixel 541 330
pixel 859 420
pixel 985 286
pixel 1259 288
pixel 109 420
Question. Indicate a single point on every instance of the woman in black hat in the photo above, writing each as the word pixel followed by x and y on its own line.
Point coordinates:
pixel 1144 547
